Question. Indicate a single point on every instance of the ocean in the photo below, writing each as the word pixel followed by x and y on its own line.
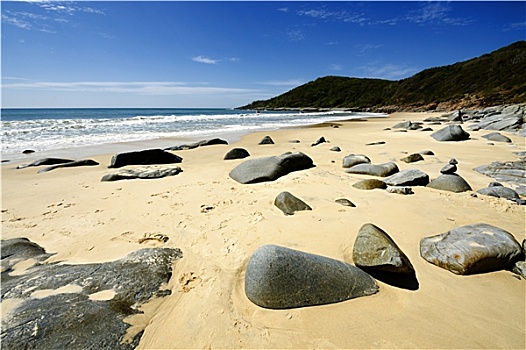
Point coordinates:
pixel 42 130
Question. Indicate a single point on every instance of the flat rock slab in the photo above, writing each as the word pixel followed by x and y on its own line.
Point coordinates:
pixel 512 172
pixel 472 249
pixel 450 182
pixel 198 144
pixel 283 278
pixel 46 161
pixel 408 177
pixel 412 158
pixel 499 192
pixel 145 172
pixel 450 133
pixel 76 163
pixel 146 157
pixel 375 249
pixel 270 168
pixel 56 310
pixel 496 136
pixel 289 204
pixel 381 170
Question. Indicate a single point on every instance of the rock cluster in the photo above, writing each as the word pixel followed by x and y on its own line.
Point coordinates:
pixel 510 118
pixel 449 180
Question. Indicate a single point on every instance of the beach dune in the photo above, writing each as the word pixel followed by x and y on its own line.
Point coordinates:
pixel 218 223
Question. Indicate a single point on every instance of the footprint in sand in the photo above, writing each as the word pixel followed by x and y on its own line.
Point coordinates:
pixel 188 281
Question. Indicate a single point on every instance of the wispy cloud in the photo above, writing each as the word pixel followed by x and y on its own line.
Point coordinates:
pixel 290 82
pixel 203 59
pixel 367 47
pixel 139 88
pixel 436 13
pixel 340 15
pixel 387 71
pixel 335 67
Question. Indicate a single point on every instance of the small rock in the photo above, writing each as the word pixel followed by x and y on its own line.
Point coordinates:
pixel 354 159
pixel 145 172
pixel 336 149
pixel 236 153
pixel 318 141
pixel 370 184
pixel 408 177
pixel 499 192
pixel 375 143
pixel 449 169
pixel 289 204
pixel 381 170
pixel 400 190
pixel 415 157
pixel 427 153
pixel 267 140
pixel 453 161
pixel 28 151
pixel 282 278
pixel 496 136
pixel 146 157
pixel 345 202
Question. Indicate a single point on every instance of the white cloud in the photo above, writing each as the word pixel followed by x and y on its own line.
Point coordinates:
pixel 336 67
pixel 388 71
pixel 202 59
pixel 290 82
pixel 436 13
pixel 16 22
pixel 139 88
pixel 295 35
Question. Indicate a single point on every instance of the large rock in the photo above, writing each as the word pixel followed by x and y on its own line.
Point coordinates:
pixel 375 249
pixel 144 172
pixel 146 157
pixel 472 249
pixel 289 204
pixel 354 159
pixel 450 133
pixel 381 170
pixel 408 177
pixel 450 182
pixel 282 278
pixel 270 168
pixel 236 153
pixel 202 143
pixel 63 306
pixel 512 172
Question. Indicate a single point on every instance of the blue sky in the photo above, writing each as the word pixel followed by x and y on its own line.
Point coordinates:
pixel 227 54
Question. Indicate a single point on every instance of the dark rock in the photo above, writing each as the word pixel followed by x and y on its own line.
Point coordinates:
pixel 353 159
pixel 336 149
pixel 412 158
pixel 511 172
pixel 370 184
pixel 236 153
pixel 345 202
pixel 375 143
pixel 450 182
pixel 146 157
pixel 28 151
pixel 414 126
pixel 289 204
pixel 453 161
pixel 500 122
pixel 472 249
pixel 495 184
pixel 16 249
pixel 400 190
pixel 145 172
pixel 402 125
pixel 426 129
pixel 46 161
pixel 211 142
pixel 84 162
pixel 382 170
pixel 408 177
pixel 375 249
pixel 267 140
pixel 318 141
pixel 294 141
pixel 73 320
pixel 449 169
pixel 521 191
pixel 427 153
pixel 450 133
pixel 499 192
pixel 270 168
pixel 496 136
pixel 520 268
pixel 282 278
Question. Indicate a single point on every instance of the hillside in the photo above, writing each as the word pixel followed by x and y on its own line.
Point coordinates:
pixel 495 78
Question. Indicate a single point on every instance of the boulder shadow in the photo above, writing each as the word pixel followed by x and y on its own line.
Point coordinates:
pixel 399 280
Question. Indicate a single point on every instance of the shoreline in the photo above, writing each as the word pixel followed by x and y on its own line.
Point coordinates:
pixel 218 223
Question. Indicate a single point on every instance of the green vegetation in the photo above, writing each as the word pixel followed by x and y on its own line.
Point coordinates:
pixel 495 78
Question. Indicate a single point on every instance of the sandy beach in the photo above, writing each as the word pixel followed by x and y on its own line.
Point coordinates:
pixel 218 223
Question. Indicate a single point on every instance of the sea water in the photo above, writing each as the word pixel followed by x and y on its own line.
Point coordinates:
pixel 54 129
